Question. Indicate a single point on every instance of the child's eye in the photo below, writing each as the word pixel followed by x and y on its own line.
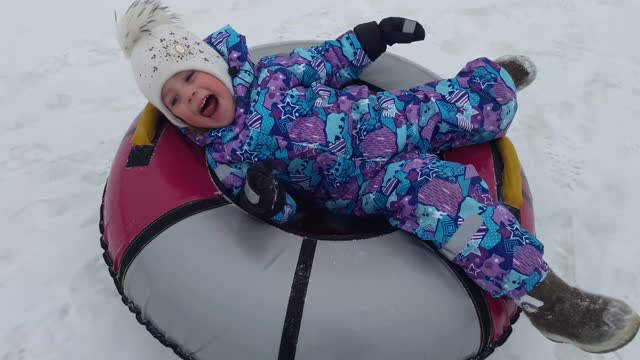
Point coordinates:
pixel 190 76
pixel 174 101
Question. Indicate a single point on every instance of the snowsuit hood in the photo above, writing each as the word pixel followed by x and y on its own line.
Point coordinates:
pixel 232 46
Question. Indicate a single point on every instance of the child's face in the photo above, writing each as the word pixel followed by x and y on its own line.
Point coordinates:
pixel 199 99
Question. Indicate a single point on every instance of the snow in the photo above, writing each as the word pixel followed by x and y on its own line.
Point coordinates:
pixel 68 96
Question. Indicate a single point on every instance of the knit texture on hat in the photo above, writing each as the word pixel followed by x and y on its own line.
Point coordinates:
pixel 159 48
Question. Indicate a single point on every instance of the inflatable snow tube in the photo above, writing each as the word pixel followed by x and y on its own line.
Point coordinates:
pixel 212 282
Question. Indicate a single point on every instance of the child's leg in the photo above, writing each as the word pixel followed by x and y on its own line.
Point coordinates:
pixel 477 105
pixel 449 204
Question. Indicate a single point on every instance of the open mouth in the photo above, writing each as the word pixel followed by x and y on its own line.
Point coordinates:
pixel 208 106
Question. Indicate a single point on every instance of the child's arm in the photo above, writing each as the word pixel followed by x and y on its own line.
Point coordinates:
pixel 337 62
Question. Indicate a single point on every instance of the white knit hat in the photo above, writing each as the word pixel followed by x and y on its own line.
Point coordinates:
pixel 159 48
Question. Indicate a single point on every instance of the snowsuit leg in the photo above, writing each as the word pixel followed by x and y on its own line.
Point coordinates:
pixel 449 204
pixel 476 106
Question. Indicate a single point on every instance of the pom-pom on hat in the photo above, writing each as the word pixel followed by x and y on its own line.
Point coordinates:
pixel 159 48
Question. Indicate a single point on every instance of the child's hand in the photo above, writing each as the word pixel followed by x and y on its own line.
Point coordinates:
pixel 375 37
pixel 260 179
pixel 400 30
pixel 262 194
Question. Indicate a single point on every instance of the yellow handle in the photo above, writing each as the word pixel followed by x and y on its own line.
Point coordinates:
pixel 511 177
pixel 146 129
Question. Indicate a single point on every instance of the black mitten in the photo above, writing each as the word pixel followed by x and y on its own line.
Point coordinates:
pixel 400 30
pixel 375 37
pixel 262 194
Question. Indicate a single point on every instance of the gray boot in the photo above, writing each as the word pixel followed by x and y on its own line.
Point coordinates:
pixel 594 323
pixel 521 68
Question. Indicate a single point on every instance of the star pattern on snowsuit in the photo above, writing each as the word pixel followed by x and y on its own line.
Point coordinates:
pixel 519 234
pixel 473 270
pixel 427 173
pixel 472 247
pixel 289 110
pixel 469 112
pixel 248 155
pixel 486 199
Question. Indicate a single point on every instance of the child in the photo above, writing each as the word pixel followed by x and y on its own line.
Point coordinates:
pixel 364 154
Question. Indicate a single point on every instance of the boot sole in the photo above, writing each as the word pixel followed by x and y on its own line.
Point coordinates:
pixel 608 346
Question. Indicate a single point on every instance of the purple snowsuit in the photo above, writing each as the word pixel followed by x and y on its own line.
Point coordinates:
pixel 368 153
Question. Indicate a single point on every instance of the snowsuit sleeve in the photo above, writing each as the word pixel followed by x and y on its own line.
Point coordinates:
pixel 332 63
pixel 233 178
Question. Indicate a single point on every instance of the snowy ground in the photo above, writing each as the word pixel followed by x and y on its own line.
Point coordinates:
pixel 68 96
